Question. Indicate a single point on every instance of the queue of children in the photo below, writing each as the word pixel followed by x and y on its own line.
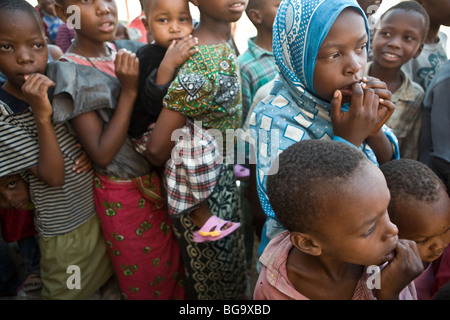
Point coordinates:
pixel 100 133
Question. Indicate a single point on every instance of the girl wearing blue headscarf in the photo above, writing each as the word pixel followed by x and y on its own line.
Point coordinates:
pixel 319 92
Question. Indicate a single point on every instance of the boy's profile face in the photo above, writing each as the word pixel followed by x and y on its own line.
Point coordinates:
pixel 399 38
pixel 14 193
pixel 168 20
pixel 23 46
pixel 268 12
pixel 428 224
pixel 342 56
pixel 357 228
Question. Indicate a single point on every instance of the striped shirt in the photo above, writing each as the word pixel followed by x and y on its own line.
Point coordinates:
pixel 58 209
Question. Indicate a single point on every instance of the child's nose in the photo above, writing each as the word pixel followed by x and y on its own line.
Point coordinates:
pixel 103 6
pixel 174 27
pixel 24 55
pixel 353 64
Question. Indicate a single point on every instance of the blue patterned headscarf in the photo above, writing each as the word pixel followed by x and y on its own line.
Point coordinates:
pixel 299 29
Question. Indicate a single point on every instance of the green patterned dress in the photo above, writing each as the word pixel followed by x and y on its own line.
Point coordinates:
pixel 208 89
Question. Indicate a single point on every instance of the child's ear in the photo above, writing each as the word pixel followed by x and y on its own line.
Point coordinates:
pixel 306 243
pixel 419 51
pixel 145 23
pixel 255 16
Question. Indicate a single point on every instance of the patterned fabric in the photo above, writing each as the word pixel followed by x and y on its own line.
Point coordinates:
pixel 406 121
pixel 212 83
pixel 423 68
pixel 139 237
pixel 257 68
pixel 192 171
pixel 292 112
pixel 216 269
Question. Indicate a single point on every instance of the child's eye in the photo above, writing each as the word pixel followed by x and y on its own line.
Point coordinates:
pixel 363 47
pixel 421 241
pixel 333 56
pixel 39 45
pixel 5 47
pixel 163 20
pixel 12 184
pixel 369 232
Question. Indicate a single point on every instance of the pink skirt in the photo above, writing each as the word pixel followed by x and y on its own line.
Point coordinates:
pixel 139 237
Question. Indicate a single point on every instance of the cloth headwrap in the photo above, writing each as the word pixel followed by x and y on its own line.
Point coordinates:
pixel 299 29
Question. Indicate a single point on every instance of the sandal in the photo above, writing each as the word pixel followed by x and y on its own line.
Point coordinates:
pixel 32 283
pixel 241 172
pixel 212 230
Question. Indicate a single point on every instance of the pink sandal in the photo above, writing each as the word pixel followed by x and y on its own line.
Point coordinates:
pixel 241 172
pixel 212 230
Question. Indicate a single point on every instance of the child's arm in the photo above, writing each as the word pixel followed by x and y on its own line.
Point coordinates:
pixel 177 53
pixel 50 167
pixel 364 118
pixel 159 143
pixel 401 271
pixel 101 145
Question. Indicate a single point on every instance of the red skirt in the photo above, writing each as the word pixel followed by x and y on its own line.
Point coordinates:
pixel 139 237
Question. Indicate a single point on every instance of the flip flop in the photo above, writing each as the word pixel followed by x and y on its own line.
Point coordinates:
pixel 32 283
pixel 212 230
pixel 241 172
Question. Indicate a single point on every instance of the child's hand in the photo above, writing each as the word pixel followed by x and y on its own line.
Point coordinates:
pixel 179 51
pixel 400 271
pixel 83 163
pixel 35 91
pixel 386 107
pixel 360 120
pixel 127 69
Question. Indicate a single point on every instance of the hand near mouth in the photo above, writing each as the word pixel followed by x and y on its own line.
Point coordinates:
pixel 400 271
pixel 359 121
pixel 386 107
pixel 35 91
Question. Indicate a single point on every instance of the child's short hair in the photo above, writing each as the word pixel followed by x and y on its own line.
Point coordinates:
pixel 409 179
pixel 412 6
pixel 307 172
pixel 20 5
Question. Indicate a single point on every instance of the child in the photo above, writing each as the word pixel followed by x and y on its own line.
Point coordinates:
pixel 207 89
pixel 96 90
pixel 171 24
pixel 398 38
pixel 256 64
pixel 46 9
pixel 434 145
pixel 333 202
pixel 434 54
pixel 17 225
pixel 257 67
pixel 420 207
pixel 320 92
pixel 69 231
